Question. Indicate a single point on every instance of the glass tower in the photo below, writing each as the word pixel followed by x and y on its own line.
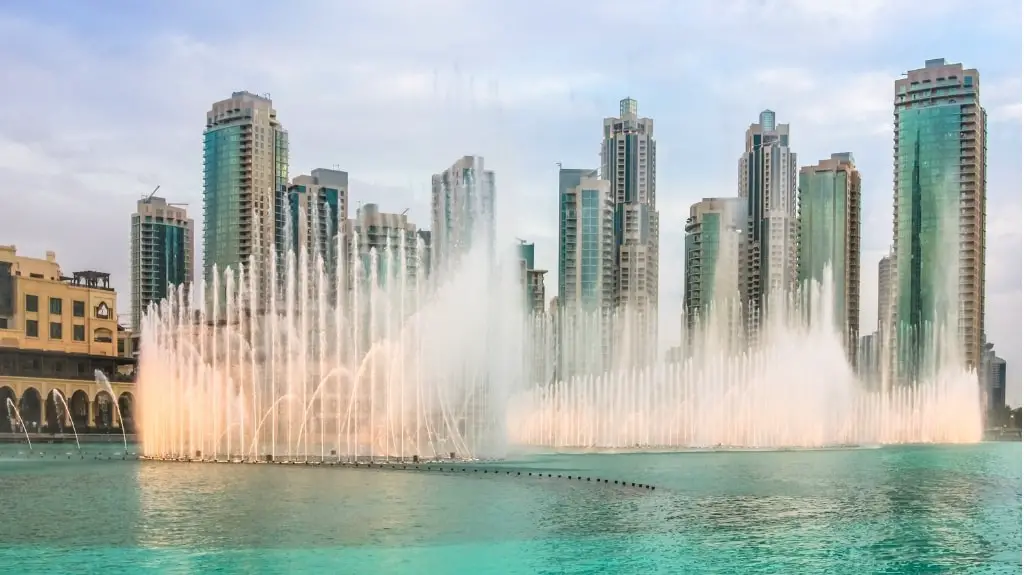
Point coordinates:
pixel 829 224
pixel 163 244
pixel 939 214
pixel 245 176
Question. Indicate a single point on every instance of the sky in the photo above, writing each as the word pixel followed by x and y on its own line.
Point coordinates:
pixel 105 100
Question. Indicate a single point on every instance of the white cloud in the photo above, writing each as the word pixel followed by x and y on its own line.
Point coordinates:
pixel 393 91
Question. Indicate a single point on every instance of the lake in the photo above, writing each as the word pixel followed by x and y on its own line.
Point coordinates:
pixel 907 509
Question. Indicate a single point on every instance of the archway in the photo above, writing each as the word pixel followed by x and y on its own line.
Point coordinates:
pixel 6 413
pixel 79 405
pixel 103 411
pixel 30 406
pixel 56 417
pixel 126 402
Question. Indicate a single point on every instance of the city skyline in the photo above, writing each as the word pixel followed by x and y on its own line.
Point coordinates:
pixel 110 160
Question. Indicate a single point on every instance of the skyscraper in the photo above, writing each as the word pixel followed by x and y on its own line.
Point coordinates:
pixel 714 235
pixel 628 163
pixel 532 279
pixel 163 248
pixel 462 205
pixel 938 210
pixel 245 173
pixel 885 295
pixel 388 240
pixel 829 235
pixel 768 182
pixel 586 241
pixel 317 210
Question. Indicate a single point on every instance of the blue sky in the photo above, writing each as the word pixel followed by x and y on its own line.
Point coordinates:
pixel 107 99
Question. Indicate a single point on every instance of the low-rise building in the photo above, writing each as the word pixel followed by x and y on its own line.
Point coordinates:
pixel 56 331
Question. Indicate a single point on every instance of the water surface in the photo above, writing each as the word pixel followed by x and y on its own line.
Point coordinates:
pixel 924 509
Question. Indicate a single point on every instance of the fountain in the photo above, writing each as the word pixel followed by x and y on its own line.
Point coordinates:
pixel 67 410
pixel 104 383
pixel 391 369
pixel 396 367
pixel 11 407
pixel 795 389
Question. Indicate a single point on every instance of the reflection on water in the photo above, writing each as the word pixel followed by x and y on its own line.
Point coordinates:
pixel 893 510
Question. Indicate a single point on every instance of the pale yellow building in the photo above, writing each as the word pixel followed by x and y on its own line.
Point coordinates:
pixel 56 330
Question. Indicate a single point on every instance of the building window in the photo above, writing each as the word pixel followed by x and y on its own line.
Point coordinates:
pixel 31 328
pixel 31 303
pixel 56 330
pixel 3 323
pixel 56 306
pixel 102 311
pixel 78 332
pixel 78 308
pixel 120 346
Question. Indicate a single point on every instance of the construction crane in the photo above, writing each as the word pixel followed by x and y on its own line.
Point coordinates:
pixel 522 241
pixel 153 193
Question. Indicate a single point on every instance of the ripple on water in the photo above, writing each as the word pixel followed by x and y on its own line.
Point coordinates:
pixel 892 510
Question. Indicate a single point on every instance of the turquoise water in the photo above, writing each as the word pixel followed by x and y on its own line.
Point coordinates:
pixel 892 510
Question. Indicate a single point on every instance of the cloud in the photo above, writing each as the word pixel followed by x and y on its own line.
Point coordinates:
pixel 393 91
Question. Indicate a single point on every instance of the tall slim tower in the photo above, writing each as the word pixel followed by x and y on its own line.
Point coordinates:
pixel 885 295
pixel 586 241
pixel 829 227
pixel 715 232
pixel 163 248
pixel 245 175
pixel 768 181
pixel 462 206
pixel 628 162
pixel 317 210
pixel 938 209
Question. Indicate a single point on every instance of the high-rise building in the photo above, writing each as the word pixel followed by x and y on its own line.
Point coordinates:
pixel 531 278
pixel 389 240
pixel 586 269
pixel 628 163
pixel 462 206
pixel 163 247
pixel 868 366
pixel 245 175
pixel 768 182
pixel 885 294
pixel 992 373
pixel 317 211
pixel 829 239
pixel 426 258
pixel 938 210
pixel 715 232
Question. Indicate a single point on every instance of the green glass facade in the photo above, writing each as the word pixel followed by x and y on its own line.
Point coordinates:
pixel 590 240
pixel 568 226
pixel 927 201
pixel 824 223
pixel 222 202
